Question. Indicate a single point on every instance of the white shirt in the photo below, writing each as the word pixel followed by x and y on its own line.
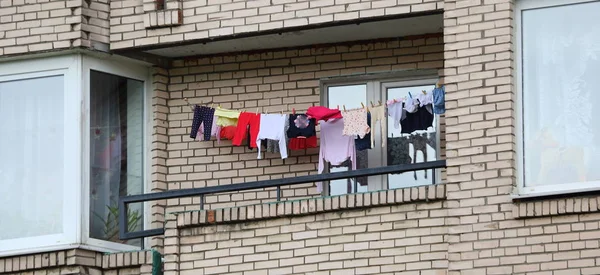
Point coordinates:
pixel 272 126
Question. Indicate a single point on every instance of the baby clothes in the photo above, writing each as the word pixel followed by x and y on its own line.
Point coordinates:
pixel 355 123
pixel 378 113
pixel 323 113
pixel 228 132
pixel 301 143
pixel 439 100
pixel 202 115
pixel 272 146
pixel 362 144
pixel 335 147
pixel 419 120
pixel 247 122
pixel 273 127
pixel 226 117
pixel 411 105
pixel 396 112
pixel 301 125
pixel 425 99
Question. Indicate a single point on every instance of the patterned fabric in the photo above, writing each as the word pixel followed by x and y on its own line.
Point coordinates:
pixel 202 115
pixel 355 123
pixel 273 145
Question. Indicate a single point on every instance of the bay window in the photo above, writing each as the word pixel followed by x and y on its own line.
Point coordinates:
pixel 419 146
pixel 73 133
pixel 557 75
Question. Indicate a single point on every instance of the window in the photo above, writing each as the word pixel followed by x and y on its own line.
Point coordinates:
pixel 48 161
pixel 399 149
pixel 558 68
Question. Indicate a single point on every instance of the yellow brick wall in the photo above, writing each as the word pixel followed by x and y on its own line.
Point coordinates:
pixel 204 19
pixel 270 82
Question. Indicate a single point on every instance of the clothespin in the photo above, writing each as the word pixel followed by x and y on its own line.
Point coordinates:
pixel 344 107
pixel 409 94
pixel 211 105
pixel 338 107
pixel 424 92
pixel 190 105
pixel 257 110
pixel 282 110
pixel 363 105
pixel 294 111
pixel 380 103
pixel 372 104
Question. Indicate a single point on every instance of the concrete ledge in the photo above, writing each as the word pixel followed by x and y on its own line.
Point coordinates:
pixel 556 206
pixel 310 206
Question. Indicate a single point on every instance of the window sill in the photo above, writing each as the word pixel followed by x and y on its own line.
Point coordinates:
pixel 311 206
pixel 556 203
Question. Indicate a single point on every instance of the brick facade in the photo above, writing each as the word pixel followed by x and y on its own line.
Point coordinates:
pixel 469 224
pixel 203 19
pixel 38 26
pixel 268 82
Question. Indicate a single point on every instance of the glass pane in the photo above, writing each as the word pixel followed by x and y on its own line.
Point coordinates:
pixel 350 96
pixel 116 156
pixel 419 146
pixel 561 65
pixel 32 162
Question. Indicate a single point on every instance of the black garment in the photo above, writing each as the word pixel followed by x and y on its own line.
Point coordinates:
pixel 419 120
pixel 202 114
pixel 301 126
pixel 365 142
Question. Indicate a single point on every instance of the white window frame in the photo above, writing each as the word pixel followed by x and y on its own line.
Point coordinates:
pixel 376 89
pixel 67 67
pixel 131 71
pixel 522 190
pixel 76 70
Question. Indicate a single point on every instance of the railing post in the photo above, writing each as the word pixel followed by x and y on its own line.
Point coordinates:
pixel 202 202
pixel 278 193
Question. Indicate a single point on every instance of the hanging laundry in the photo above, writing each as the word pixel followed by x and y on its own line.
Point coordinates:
pixel 214 131
pixel 421 119
pixel 362 144
pixel 301 143
pixel 226 117
pixel 335 147
pixel 419 142
pixel 300 125
pixel 396 112
pixel 273 127
pixel 247 122
pixel 398 151
pixel 323 113
pixel 228 132
pixel 202 115
pixel 411 104
pixel 271 145
pixel 355 123
pixel 378 114
pixel 439 100
pixel 425 99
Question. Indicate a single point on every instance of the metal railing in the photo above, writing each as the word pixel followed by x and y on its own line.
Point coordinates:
pixel 192 192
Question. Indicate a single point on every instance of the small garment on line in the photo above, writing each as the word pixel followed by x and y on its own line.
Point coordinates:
pixel 273 127
pixel 228 132
pixel 301 143
pixel 335 148
pixel 323 113
pixel 272 146
pixel 425 99
pixel 226 117
pixel 439 100
pixel 248 123
pixel 378 114
pixel 355 123
pixel 411 105
pixel 396 112
pixel 364 143
pixel 202 115
pixel 419 120
pixel 300 125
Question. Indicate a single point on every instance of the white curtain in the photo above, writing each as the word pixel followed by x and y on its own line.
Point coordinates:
pixel 31 157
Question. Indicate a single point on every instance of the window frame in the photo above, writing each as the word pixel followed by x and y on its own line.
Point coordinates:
pixel 378 84
pixel 75 68
pixel 66 67
pixel 131 71
pixel 521 189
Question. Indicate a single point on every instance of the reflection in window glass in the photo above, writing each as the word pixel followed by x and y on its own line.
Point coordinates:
pixel 116 156
pixel 419 146
pixel 560 78
pixel 32 163
pixel 350 96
